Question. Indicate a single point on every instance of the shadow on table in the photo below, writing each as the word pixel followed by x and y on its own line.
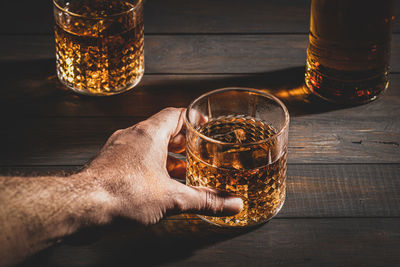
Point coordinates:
pixel 41 117
pixel 31 88
pixel 124 243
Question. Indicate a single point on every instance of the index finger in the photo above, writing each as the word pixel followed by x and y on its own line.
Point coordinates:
pixel 167 123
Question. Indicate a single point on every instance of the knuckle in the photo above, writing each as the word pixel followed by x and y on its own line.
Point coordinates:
pixel 115 135
pixel 212 202
pixel 169 109
pixel 179 204
pixel 141 129
pixel 168 112
pixel 125 136
pixel 174 196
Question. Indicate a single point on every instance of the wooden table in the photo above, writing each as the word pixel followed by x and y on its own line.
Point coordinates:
pixel 343 199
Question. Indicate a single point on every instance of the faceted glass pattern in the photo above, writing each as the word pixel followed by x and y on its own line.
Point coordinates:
pixel 239 146
pixel 99 52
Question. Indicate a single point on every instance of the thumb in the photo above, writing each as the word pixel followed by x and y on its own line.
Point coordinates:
pixel 206 201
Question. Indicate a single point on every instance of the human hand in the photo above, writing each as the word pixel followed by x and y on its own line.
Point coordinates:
pixel 134 168
pixel 129 178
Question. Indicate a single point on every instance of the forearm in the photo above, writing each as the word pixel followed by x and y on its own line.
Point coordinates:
pixel 35 212
pixel 129 178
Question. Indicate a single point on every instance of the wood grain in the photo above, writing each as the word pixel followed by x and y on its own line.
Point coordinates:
pixel 195 53
pixel 36 113
pixel 313 191
pixel 206 16
pixel 343 191
pixel 31 89
pixel 73 141
pixel 227 16
pixel 287 242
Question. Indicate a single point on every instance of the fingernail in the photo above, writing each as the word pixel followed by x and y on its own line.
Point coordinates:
pixel 233 204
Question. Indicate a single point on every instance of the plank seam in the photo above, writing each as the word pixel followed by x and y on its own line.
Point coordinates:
pixel 338 217
pixel 228 73
pixel 178 33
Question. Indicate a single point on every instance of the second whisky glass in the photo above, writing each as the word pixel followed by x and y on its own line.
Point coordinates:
pixel 99 45
pixel 237 142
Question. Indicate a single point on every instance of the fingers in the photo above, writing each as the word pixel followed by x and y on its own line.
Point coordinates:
pixel 176 167
pixel 205 201
pixel 197 118
pixel 177 144
pixel 167 123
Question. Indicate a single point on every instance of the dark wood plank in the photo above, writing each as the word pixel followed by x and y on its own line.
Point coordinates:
pixel 313 191
pixel 196 53
pixel 31 89
pixel 342 191
pixel 287 242
pixel 206 16
pixel 36 114
pixel 322 139
pixel 232 16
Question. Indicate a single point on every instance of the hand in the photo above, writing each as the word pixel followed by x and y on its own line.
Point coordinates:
pixel 134 168
pixel 129 178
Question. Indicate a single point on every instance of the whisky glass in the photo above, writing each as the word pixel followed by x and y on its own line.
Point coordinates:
pixel 236 141
pixel 99 45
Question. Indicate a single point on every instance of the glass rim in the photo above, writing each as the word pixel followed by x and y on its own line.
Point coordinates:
pixel 243 89
pixel 139 2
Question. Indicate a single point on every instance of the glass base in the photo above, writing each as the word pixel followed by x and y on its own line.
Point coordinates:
pixel 89 92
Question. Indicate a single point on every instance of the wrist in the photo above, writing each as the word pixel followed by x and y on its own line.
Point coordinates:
pixel 98 205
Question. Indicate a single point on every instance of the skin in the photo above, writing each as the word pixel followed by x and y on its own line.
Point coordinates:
pixel 130 178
